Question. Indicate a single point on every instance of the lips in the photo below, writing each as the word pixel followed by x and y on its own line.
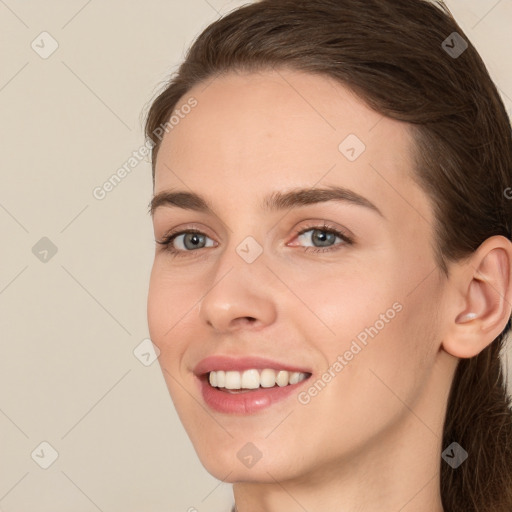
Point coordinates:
pixel 222 387
pixel 225 363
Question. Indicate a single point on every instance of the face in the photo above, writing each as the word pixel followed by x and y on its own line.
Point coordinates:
pixel 308 262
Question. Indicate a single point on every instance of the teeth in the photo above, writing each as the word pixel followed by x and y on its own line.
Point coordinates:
pixel 282 378
pixel 250 379
pixel 233 380
pixel 253 379
pixel 267 378
pixel 294 377
pixel 221 378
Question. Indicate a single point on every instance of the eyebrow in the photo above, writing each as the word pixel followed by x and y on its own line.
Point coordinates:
pixel 276 201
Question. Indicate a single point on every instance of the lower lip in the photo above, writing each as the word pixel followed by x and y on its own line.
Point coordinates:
pixel 245 402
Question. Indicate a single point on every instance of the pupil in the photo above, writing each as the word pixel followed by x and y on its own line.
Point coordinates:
pixel 194 238
pixel 323 237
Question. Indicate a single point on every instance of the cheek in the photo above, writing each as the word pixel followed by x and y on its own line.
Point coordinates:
pixel 170 311
pixel 375 380
pixel 158 305
pixel 384 332
pixel 170 308
pixel 345 302
pixel 394 335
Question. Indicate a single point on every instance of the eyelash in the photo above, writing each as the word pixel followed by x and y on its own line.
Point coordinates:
pixel 169 238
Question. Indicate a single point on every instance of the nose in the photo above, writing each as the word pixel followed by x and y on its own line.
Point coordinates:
pixel 239 295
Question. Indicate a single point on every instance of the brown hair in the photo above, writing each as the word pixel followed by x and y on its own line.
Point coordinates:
pixel 391 54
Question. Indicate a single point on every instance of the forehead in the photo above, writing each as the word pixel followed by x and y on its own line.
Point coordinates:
pixel 257 132
pixel 270 114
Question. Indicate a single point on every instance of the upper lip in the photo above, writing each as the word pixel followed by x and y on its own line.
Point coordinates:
pixel 226 363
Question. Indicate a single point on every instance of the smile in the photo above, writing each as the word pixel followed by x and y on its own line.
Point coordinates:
pixel 246 385
pixel 254 379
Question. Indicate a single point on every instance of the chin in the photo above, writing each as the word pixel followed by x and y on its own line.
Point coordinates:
pixel 240 460
pixel 261 472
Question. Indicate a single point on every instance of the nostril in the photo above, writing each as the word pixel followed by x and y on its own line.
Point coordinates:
pixel 245 320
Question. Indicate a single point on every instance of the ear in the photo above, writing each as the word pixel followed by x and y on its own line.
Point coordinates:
pixel 482 297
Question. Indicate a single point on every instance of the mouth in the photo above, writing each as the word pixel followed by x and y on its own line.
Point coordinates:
pixel 243 382
pixel 246 385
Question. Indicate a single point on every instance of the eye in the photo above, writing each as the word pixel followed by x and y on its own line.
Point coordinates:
pixel 182 242
pixel 323 238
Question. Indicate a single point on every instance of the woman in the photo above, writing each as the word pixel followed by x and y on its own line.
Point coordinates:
pixel 332 277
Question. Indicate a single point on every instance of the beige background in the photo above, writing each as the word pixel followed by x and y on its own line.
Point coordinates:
pixel 68 374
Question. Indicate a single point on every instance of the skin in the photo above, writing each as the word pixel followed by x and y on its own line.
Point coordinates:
pixel 370 440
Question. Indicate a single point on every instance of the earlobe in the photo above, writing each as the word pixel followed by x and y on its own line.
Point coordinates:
pixel 485 289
